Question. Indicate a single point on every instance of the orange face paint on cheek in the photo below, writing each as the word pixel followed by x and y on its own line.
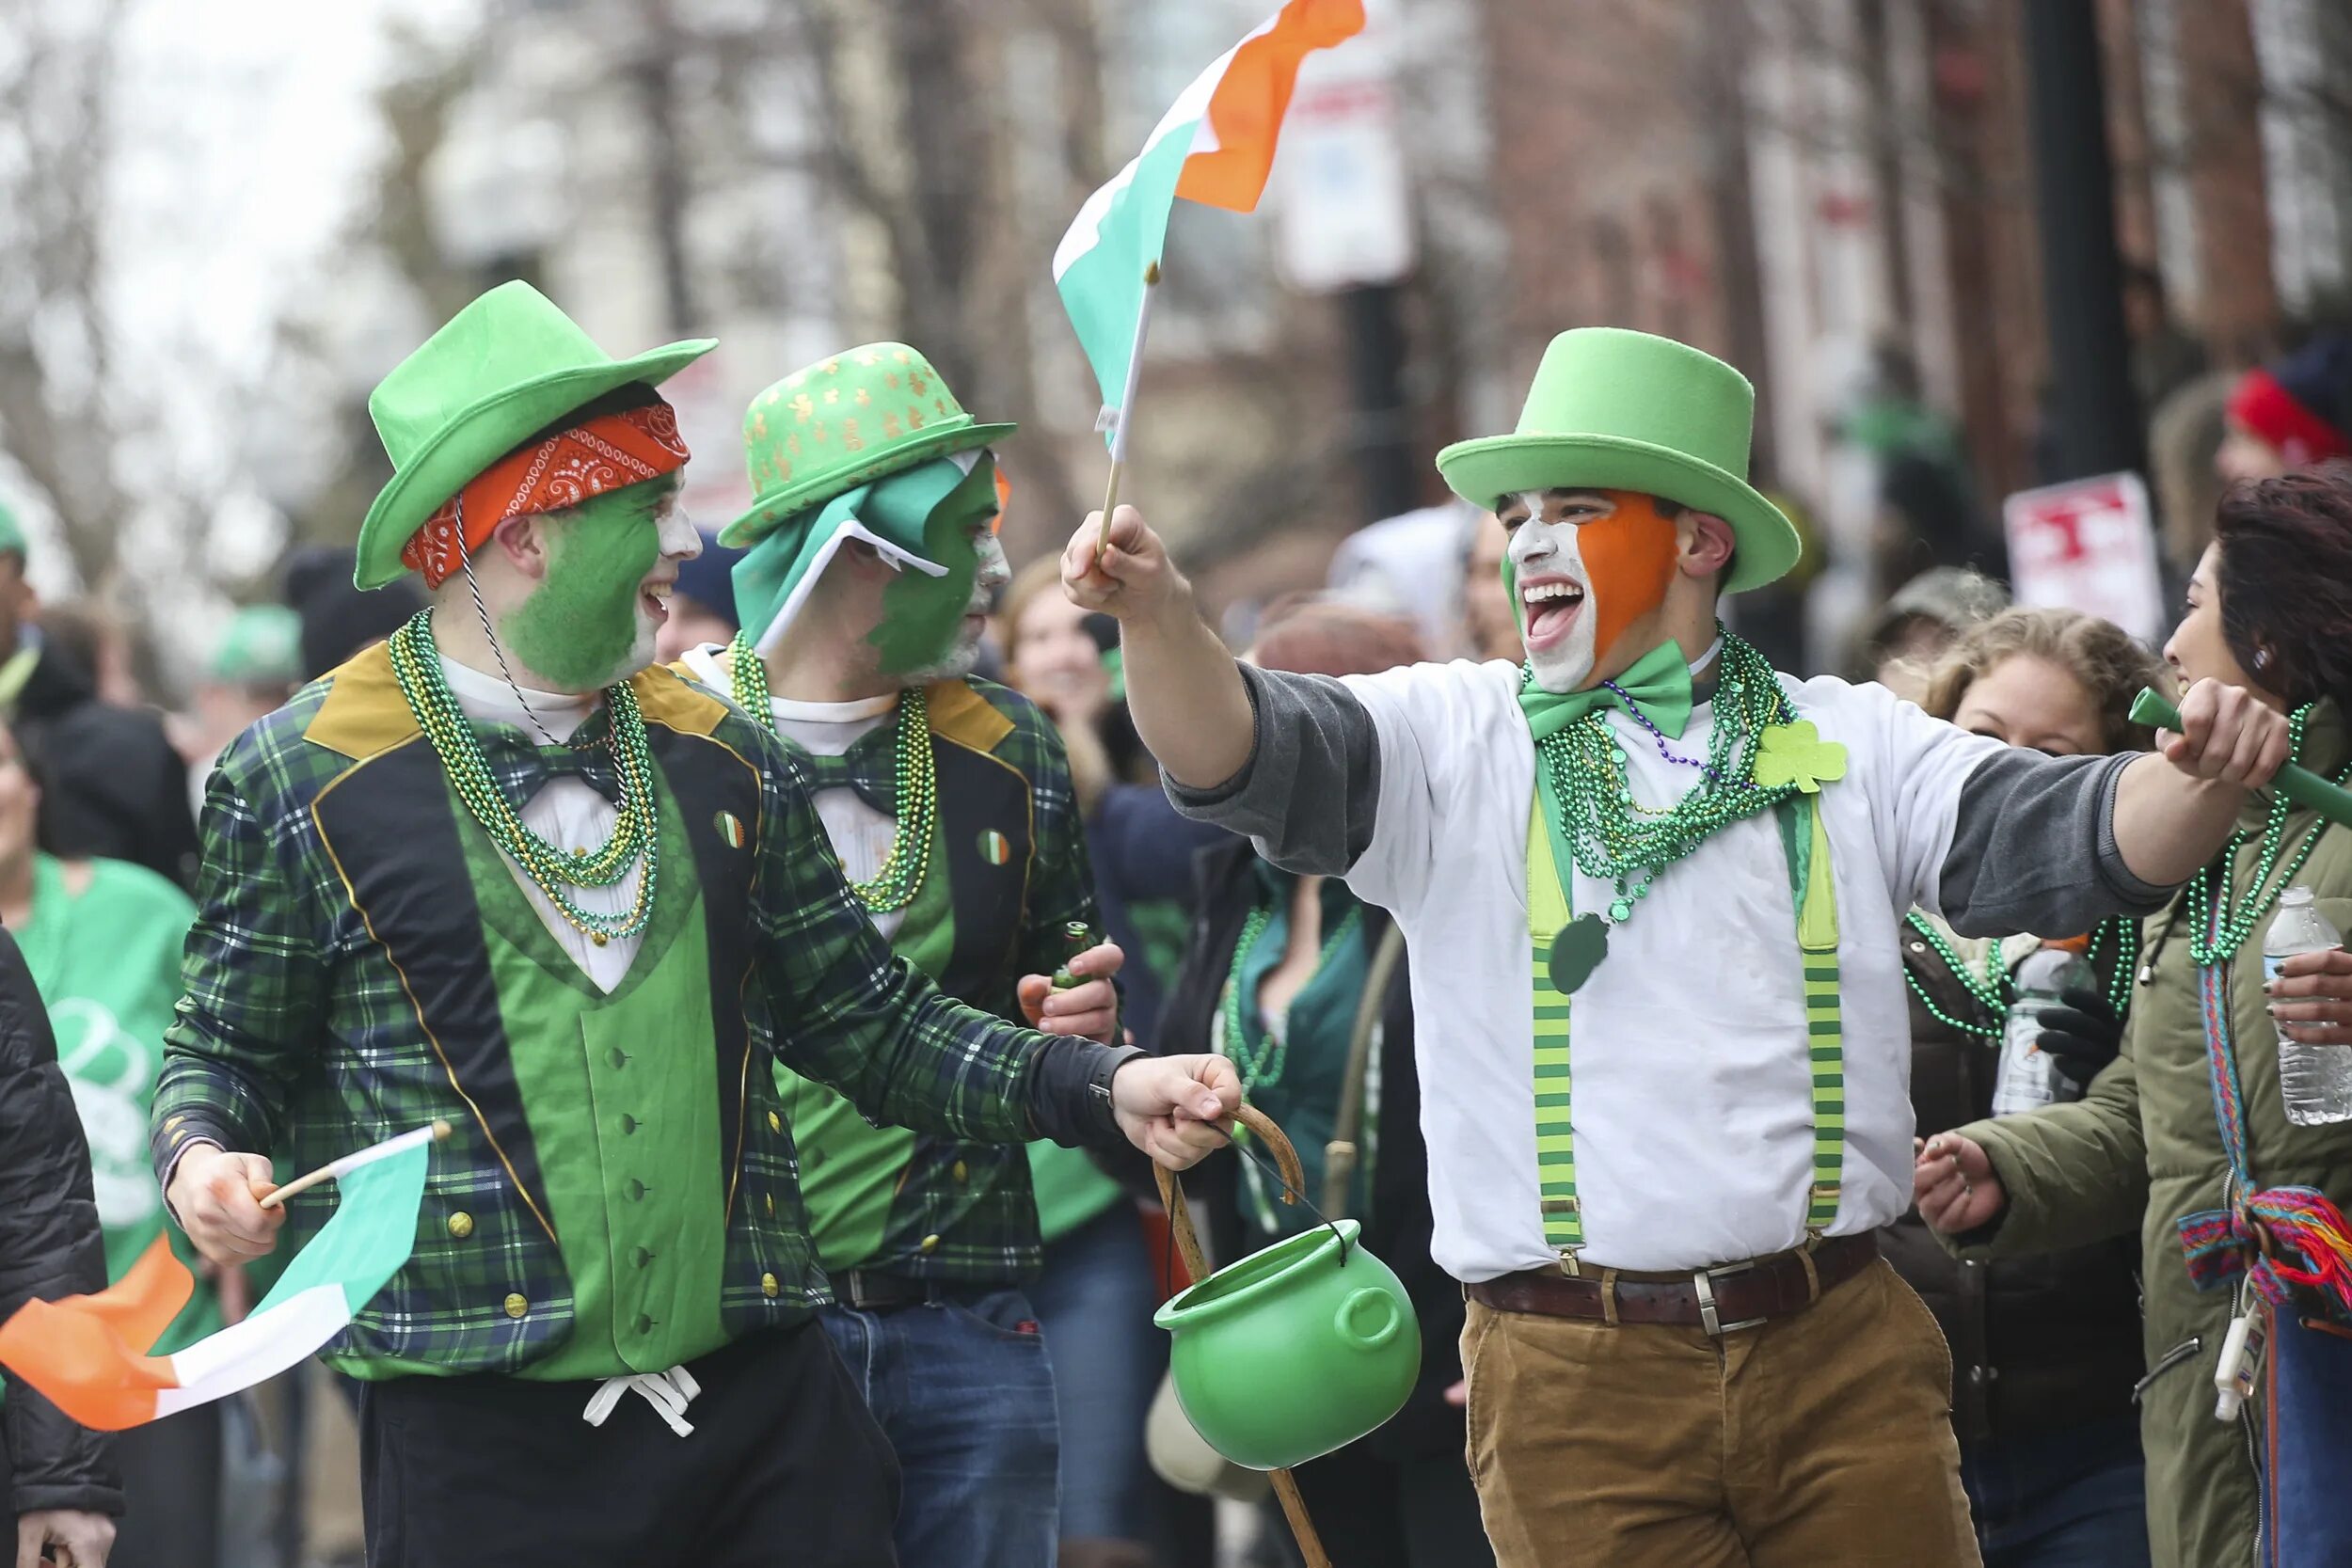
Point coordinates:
pixel 1628 561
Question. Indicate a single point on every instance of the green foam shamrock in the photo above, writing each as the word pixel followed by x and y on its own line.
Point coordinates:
pixel 1796 754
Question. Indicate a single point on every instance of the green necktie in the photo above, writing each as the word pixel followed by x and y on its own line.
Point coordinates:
pixel 1657 687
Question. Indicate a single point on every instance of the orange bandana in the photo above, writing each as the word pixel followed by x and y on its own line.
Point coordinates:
pixel 611 451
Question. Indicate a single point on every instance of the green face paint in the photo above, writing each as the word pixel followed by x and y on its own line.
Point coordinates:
pixel 922 622
pixel 582 627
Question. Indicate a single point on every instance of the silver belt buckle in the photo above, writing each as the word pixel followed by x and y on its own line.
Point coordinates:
pixel 1704 1283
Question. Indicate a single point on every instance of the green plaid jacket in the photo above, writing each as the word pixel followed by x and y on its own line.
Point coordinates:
pixel 1014 854
pixel 336 957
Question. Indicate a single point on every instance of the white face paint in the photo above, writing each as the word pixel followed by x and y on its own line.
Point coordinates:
pixel 1554 607
pixel 678 542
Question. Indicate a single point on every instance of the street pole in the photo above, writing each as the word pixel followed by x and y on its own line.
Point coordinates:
pixel 1380 444
pixel 2100 425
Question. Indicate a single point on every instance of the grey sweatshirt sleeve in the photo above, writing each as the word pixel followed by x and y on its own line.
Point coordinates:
pixel 1310 789
pixel 2033 848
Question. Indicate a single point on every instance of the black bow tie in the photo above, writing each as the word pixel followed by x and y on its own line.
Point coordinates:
pixel 523 766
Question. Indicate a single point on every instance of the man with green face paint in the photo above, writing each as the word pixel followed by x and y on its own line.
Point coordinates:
pixel 498 872
pixel 871 562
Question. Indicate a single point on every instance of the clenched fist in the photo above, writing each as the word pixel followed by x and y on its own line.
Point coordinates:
pixel 2227 735
pixel 218 1197
pixel 1176 1108
pixel 1133 579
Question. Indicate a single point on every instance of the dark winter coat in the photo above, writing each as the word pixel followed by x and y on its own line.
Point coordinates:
pixel 2038 1343
pixel 49 1247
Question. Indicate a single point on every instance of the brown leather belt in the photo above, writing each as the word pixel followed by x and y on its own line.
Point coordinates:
pixel 1719 1299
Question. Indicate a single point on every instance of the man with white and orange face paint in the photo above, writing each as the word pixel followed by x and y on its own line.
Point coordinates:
pixel 1650 889
pixel 1584 568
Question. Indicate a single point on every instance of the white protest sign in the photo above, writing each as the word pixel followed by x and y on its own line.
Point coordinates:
pixel 2087 545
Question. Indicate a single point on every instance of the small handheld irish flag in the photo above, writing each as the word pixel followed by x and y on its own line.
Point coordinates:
pixel 89 1353
pixel 1214 145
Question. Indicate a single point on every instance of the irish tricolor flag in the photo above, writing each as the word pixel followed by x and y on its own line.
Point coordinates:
pixel 89 1353
pixel 1215 146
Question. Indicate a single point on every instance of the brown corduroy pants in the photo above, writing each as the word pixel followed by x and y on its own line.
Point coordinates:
pixel 1821 1440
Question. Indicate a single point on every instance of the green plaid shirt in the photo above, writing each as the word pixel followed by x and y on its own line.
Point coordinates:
pixel 963 1211
pixel 299 1037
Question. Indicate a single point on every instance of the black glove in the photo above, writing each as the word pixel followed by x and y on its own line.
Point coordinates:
pixel 2082 1034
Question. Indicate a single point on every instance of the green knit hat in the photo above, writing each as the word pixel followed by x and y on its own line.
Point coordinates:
pixel 844 421
pixel 262 646
pixel 505 368
pixel 12 540
pixel 1617 410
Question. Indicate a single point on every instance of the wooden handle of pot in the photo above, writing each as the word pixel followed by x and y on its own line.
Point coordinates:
pixel 1172 1190
pixel 1196 1264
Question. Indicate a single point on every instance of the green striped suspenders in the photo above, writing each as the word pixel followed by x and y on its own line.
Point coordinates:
pixel 1555 1138
pixel 1806 843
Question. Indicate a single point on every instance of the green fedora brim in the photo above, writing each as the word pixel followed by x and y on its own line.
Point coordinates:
pixel 773 506
pixel 1491 467
pixel 481 433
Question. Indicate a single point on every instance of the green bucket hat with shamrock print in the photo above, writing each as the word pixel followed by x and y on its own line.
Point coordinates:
pixel 846 420
pixel 862 445
pixel 1617 410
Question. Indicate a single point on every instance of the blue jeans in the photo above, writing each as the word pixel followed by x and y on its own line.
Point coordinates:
pixel 2310 1395
pixel 1095 1299
pixel 2070 1497
pixel 963 1388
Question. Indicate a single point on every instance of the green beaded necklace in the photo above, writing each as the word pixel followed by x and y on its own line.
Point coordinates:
pixel 1990 989
pixel 1262 1069
pixel 416 666
pixel 914 772
pixel 1615 839
pixel 2230 927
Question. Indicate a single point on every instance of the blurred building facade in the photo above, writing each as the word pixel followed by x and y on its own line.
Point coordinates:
pixel 1831 193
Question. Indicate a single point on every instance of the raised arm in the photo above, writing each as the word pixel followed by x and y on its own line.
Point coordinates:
pixel 1183 687
pixel 1295 762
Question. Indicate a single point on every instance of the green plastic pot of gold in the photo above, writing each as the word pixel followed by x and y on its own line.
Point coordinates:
pixel 1290 1353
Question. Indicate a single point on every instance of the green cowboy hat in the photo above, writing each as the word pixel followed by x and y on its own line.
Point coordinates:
pixel 848 419
pixel 1618 410
pixel 505 368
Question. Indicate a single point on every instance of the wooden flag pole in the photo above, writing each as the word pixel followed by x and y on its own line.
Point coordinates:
pixel 1126 409
pixel 368 1156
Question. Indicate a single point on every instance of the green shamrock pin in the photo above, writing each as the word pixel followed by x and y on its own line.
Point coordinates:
pixel 1796 754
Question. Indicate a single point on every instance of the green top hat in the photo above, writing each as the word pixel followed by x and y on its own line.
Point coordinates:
pixel 504 368
pixel 844 421
pixel 1618 410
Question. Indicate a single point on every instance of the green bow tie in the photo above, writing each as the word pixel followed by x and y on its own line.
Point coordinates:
pixel 1657 688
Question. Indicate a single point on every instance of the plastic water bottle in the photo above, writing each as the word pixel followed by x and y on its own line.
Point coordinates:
pixel 2030 1078
pixel 2316 1080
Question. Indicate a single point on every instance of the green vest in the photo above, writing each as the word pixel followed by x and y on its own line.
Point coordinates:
pixel 623 1101
pixel 884 1197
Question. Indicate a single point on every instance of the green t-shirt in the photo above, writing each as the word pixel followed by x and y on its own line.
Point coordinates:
pixel 107 959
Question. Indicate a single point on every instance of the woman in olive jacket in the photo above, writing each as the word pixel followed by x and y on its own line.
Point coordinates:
pixel 60 1480
pixel 2270 609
